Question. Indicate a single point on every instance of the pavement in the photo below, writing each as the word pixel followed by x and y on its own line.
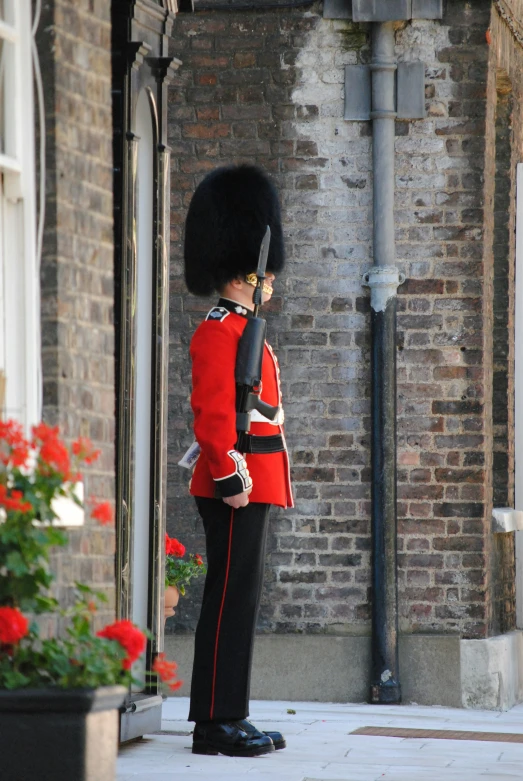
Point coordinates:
pixel 321 748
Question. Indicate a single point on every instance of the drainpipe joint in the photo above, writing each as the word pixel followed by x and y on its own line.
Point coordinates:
pixel 383 282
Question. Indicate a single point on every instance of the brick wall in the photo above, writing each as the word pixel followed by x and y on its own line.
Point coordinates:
pixel 267 87
pixel 442 502
pixel 77 263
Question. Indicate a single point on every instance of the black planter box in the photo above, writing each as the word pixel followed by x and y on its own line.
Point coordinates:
pixel 59 735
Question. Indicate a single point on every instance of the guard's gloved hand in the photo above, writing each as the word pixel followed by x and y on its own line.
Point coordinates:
pixel 239 500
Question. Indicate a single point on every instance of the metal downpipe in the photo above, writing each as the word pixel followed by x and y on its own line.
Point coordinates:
pixel 383 280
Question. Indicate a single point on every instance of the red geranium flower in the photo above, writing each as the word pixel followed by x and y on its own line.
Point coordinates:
pixel 173 547
pixel 13 501
pixel 103 513
pixel 42 432
pixel 19 454
pixel 13 626
pixel 85 450
pixel 55 454
pixel 14 448
pixel 198 560
pixel 129 637
pixel 177 549
pixel 12 432
pixel 166 671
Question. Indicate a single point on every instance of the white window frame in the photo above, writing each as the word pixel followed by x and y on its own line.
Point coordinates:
pixel 20 350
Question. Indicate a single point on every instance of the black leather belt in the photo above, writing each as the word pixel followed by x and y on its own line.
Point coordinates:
pixel 250 443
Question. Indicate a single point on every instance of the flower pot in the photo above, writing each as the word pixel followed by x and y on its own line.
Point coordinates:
pixel 170 600
pixel 58 734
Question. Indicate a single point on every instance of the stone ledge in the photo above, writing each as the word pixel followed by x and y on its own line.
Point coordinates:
pixel 324 668
pixel 434 669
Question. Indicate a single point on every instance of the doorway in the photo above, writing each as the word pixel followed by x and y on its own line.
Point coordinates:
pixel 141 74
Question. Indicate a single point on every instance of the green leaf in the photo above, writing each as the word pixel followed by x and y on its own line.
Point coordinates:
pixel 55 536
pixel 16 564
pixel 14 679
pixel 83 588
pixel 46 604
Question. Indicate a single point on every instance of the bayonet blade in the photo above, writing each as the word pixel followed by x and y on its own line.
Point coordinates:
pixel 264 253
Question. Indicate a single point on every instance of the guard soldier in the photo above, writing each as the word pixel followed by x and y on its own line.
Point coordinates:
pixel 226 222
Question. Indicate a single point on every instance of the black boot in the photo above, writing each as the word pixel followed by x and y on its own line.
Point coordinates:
pixel 276 737
pixel 229 738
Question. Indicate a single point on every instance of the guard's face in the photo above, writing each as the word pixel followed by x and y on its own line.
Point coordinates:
pixel 267 287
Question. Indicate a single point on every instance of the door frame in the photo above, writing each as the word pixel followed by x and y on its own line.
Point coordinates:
pixel 139 46
pixel 518 391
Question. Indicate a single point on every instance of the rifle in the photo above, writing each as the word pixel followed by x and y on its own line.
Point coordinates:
pixel 249 359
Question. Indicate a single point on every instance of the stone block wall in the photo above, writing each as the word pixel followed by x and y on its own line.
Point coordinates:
pixel 74 40
pixel 267 87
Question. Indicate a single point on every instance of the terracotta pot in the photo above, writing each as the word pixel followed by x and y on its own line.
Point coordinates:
pixel 170 600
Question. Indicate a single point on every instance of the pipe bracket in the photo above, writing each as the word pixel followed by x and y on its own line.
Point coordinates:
pixel 383 114
pixel 381 65
pixel 383 282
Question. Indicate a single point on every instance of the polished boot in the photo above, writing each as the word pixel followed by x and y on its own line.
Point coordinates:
pixel 276 737
pixel 229 738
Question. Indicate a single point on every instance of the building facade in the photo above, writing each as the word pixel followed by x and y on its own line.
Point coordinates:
pixel 84 206
pixel 266 84
pixel 133 103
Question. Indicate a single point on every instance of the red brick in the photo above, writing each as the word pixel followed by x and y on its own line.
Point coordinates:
pixel 459 475
pixel 206 114
pixel 206 60
pixel 218 130
pixel 458 542
pixel 206 78
pixel 244 60
pixel 420 491
pixel 422 287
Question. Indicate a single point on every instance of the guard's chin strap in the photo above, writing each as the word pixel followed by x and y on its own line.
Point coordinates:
pixel 252 280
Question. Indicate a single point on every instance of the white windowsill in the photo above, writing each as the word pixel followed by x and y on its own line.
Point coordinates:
pixel 506 519
pixel 68 512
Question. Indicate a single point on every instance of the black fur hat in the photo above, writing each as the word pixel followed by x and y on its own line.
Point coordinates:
pixel 225 225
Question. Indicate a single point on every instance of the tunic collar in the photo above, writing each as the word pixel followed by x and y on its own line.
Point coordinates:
pixel 235 307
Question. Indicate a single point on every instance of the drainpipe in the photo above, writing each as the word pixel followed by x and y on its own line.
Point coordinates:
pixel 383 280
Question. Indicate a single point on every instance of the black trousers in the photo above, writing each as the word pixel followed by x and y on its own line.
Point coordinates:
pixel 236 542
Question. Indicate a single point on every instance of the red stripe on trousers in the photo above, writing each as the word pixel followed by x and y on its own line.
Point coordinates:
pixel 220 613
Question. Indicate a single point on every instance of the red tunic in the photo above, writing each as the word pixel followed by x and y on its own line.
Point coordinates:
pixel 220 470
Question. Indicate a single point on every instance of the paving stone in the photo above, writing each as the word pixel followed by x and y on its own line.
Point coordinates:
pixel 320 748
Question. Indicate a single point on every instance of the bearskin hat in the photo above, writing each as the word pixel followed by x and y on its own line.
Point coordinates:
pixel 226 222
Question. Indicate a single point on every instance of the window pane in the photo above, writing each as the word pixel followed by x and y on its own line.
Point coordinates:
pixel 7 11
pixel 2 304
pixel 8 100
